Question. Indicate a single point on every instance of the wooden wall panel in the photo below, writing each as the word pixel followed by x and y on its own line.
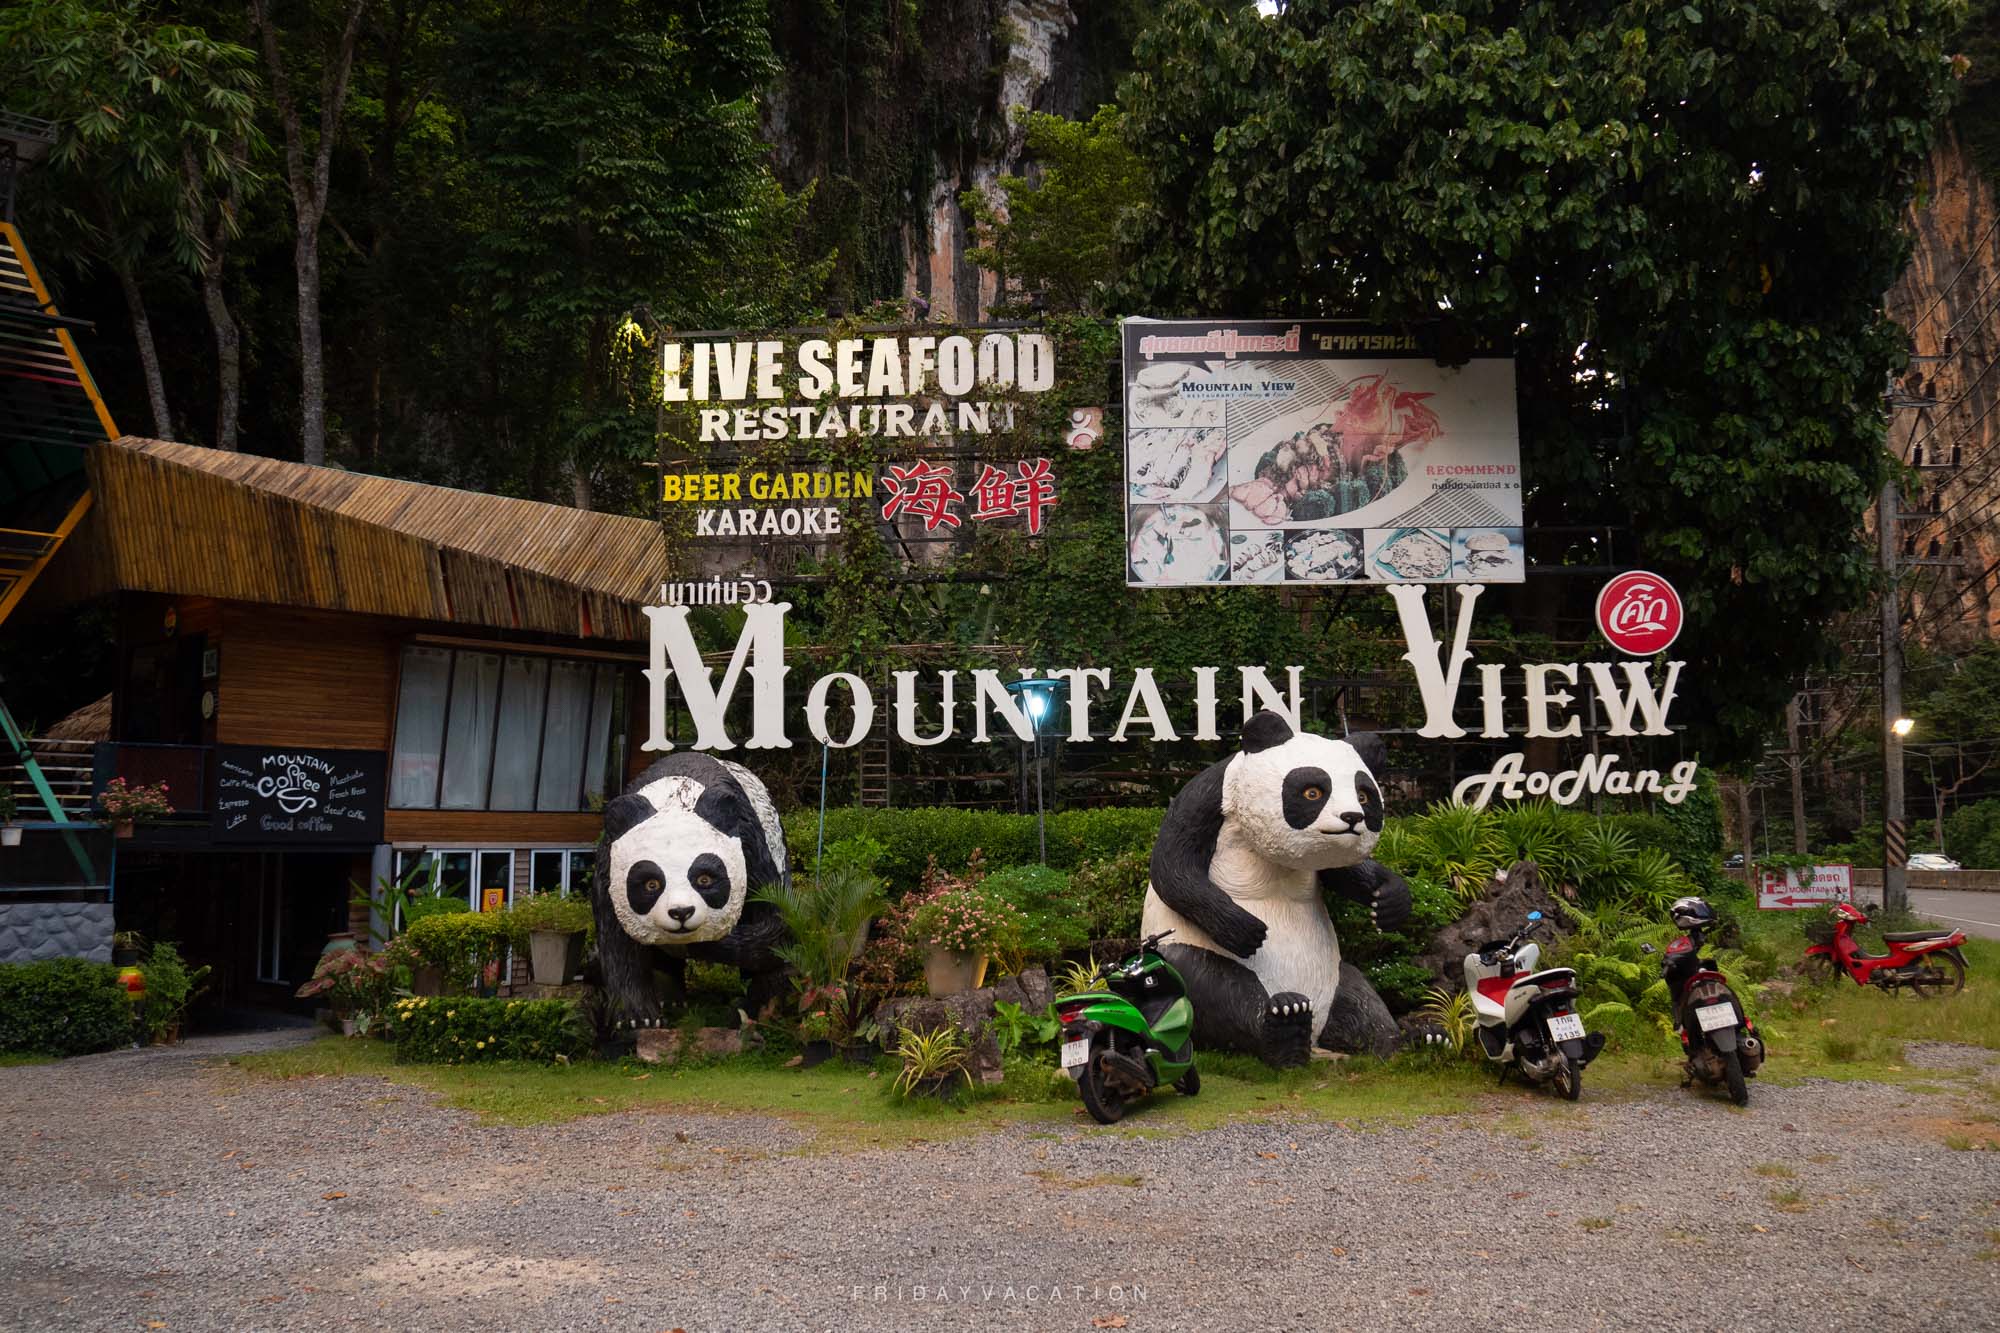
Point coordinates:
pixel 492 828
pixel 306 678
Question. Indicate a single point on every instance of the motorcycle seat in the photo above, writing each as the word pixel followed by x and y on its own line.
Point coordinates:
pixel 1914 936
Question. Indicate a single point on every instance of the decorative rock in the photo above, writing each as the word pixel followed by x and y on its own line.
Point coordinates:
pixel 1502 906
pixel 666 1046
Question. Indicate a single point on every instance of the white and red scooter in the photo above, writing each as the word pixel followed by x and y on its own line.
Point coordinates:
pixel 1527 1016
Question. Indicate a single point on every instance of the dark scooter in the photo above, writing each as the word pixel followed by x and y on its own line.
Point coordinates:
pixel 1123 1041
pixel 1720 1043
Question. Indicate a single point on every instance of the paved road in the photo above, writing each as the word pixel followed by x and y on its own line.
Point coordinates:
pixel 167 1190
pixel 1973 913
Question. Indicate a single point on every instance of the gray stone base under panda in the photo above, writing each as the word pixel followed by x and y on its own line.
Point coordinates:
pixel 31 932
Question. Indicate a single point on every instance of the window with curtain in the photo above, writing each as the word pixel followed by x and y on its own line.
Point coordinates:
pixel 493 731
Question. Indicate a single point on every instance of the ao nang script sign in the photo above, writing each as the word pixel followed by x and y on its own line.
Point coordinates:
pixel 935 397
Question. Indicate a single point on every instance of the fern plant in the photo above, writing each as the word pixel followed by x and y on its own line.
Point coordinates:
pixel 1461 847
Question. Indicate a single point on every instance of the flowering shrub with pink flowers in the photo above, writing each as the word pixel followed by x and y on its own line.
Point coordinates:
pixel 967 919
pixel 120 801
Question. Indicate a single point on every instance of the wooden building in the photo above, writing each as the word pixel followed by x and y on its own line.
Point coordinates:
pixel 348 679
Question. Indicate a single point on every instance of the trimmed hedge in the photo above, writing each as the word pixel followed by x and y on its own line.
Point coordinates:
pixel 910 837
pixel 453 1030
pixel 63 1006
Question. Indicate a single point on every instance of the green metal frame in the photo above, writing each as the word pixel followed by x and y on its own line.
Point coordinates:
pixel 22 751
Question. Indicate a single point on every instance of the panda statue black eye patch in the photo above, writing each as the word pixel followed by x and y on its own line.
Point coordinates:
pixel 1371 801
pixel 1306 791
pixel 643 886
pixel 710 878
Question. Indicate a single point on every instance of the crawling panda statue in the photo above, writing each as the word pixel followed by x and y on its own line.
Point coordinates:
pixel 683 847
pixel 1244 856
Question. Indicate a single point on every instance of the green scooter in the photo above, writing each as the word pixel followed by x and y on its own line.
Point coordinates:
pixel 1122 1042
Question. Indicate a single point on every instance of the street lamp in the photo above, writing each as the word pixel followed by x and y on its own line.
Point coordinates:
pixel 1038 702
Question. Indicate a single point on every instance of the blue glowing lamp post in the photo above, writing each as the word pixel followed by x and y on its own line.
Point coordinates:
pixel 1038 701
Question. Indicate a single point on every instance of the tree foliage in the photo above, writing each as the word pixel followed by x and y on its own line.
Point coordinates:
pixel 1680 217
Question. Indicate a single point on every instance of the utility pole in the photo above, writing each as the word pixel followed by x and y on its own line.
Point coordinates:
pixel 1895 850
pixel 1796 761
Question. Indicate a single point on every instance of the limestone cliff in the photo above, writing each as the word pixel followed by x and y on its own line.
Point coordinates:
pixel 1945 422
pixel 889 111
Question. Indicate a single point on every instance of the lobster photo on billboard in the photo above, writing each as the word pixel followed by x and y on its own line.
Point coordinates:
pixel 1302 451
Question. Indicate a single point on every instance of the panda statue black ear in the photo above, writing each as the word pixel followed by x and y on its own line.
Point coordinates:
pixel 624 814
pixel 1265 730
pixel 1374 751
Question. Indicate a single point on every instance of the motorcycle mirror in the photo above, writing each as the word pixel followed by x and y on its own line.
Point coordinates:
pixel 1534 916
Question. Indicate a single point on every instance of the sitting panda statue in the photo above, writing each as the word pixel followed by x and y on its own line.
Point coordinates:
pixel 1245 854
pixel 683 847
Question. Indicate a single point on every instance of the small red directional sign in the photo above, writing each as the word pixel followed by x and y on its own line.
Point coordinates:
pixel 1640 613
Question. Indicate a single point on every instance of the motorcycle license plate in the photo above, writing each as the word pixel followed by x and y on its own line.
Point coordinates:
pixel 1075 1053
pixel 1566 1027
pixel 1713 1016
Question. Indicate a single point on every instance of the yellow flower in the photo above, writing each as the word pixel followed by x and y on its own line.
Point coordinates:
pixel 479 1045
pixel 451 1013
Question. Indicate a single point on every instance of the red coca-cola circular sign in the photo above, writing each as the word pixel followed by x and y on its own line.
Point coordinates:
pixel 1640 613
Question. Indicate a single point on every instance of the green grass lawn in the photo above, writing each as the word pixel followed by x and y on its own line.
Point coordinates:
pixel 1837 1032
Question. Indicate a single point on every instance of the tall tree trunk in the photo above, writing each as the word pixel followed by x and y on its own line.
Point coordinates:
pixel 149 355
pixel 309 182
pixel 312 358
pixel 228 356
pixel 215 233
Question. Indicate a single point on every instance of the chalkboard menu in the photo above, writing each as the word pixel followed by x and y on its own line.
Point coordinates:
pixel 284 796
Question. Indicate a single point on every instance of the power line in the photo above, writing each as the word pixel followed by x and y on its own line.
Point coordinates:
pixel 1971 255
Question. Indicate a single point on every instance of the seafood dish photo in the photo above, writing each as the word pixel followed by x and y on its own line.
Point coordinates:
pixel 1414 553
pixel 1256 557
pixel 1178 544
pixel 1348 459
pixel 1185 465
pixel 1323 557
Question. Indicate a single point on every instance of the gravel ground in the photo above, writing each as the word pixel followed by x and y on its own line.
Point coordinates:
pixel 162 1189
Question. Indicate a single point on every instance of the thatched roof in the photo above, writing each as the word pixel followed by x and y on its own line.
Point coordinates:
pixel 180 518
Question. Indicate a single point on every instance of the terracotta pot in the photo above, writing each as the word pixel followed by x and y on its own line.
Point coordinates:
pixel 122 827
pixel 555 956
pixel 947 971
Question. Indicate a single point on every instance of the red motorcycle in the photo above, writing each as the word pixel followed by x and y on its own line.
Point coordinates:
pixel 1927 961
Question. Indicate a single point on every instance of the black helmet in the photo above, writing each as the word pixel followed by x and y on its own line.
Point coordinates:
pixel 1692 913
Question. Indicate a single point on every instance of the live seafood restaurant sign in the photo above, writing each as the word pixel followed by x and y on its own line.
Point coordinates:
pixel 1315 452
pixel 285 796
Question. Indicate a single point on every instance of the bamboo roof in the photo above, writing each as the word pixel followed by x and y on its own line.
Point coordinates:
pixel 184 519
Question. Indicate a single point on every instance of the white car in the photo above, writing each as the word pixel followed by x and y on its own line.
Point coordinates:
pixel 1932 861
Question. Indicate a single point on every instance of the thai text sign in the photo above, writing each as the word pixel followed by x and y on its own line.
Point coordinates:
pixel 1304 451
pixel 1790 890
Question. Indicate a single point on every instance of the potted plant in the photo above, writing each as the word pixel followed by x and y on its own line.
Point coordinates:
pixel 934 1062
pixel 10 832
pixel 127 946
pixel 959 928
pixel 124 805
pixel 358 986
pixel 170 988
pixel 556 928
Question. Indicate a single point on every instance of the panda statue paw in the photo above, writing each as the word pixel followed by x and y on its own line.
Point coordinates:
pixel 1287 1036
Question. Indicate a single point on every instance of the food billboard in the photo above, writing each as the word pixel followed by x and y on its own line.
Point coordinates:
pixel 1315 452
